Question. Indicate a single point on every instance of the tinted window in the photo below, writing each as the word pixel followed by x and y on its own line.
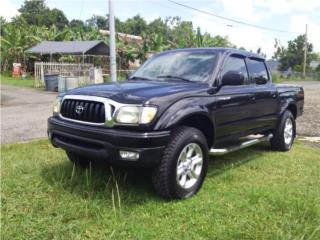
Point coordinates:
pixel 235 64
pixel 257 69
pixel 193 65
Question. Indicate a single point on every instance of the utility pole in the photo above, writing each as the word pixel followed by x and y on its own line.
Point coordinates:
pixel 305 51
pixel 112 43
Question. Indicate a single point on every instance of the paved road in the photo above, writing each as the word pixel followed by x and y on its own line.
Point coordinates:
pixel 24 113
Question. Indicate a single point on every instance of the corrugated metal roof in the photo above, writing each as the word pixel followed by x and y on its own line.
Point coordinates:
pixel 71 48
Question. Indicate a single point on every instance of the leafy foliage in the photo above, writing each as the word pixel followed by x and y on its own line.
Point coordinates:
pixel 292 56
pixel 35 12
pixel 37 23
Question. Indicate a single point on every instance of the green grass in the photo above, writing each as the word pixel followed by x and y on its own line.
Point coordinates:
pixel 29 82
pixel 276 78
pixel 251 194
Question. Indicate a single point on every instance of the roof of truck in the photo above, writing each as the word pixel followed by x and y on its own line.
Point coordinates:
pixel 220 49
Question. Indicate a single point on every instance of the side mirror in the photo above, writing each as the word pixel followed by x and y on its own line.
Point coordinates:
pixel 260 80
pixel 232 78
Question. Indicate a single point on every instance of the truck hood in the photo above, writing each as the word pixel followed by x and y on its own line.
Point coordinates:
pixel 143 92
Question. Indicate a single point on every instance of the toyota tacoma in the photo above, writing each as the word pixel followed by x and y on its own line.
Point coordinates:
pixel 179 107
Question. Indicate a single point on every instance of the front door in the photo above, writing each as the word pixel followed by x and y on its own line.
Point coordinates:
pixel 234 104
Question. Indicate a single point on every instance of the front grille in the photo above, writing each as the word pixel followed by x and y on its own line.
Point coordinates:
pixel 83 110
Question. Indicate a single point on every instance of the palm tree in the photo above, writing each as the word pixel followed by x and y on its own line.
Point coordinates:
pixel 14 41
pixel 51 34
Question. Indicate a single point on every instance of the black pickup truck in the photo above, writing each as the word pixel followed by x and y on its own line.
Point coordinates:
pixel 175 110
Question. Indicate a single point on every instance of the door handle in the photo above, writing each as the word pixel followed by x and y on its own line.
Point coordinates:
pixel 224 98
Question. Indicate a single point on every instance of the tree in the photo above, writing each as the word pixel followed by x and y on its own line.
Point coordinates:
pixel 56 17
pixel 14 41
pixel 2 23
pixel 155 43
pixel 157 26
pixel 318 69
pixel 259 52
pixel 35 12
pixel 135 26
pixel 51 34
pixel 205 40
pixel 37 23
pixel 77 24
pixel 293 56
pixel 182 34
pixel 99 22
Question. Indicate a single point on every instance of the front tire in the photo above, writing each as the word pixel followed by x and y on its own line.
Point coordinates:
pixel 283 136
pixel 184 165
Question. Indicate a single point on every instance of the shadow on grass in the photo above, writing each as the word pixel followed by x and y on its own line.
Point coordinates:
pixel 221 164
pixel 132 186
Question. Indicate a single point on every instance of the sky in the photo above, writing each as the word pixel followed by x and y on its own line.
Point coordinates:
pixel 287 15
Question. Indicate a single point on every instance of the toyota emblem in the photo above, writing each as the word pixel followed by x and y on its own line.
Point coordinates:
pixel 79 109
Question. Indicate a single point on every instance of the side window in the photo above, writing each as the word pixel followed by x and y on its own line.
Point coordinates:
pixel 257 70
pixel 235 64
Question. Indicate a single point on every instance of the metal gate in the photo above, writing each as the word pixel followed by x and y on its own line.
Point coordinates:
pixel 65 69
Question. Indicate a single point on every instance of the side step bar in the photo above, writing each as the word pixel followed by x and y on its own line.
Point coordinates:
pixel 247 143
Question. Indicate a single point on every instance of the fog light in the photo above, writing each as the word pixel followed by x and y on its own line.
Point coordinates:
pixel 133 156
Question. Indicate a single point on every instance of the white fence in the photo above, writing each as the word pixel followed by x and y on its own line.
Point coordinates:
pixel 63 69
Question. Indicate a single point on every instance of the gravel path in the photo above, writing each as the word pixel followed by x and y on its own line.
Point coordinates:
pixel 309 123
pixel 24 113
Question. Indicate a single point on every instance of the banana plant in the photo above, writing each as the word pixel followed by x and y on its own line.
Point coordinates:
pixel 14 41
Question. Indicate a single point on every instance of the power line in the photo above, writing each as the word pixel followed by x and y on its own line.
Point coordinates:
pixel 230 19
pixel 251 47
pixel 185 10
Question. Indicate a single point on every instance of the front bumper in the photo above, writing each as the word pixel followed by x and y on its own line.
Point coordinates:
pixel 105 143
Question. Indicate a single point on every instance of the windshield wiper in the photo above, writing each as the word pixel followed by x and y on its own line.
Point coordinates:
pixel 176 77
pixel 141 78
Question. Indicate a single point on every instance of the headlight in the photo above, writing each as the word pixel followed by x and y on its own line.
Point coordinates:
pixel 128 115
pixel 56 106
pixel 135 115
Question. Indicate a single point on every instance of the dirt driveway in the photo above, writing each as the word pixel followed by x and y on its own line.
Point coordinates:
pixel 24 113
pixel 309 123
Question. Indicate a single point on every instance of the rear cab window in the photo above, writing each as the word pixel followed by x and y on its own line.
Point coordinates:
pixel 257 70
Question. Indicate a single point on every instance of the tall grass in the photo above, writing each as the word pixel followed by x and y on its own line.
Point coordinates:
pixel 254 193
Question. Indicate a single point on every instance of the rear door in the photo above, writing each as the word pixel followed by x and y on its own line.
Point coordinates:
pixel 234 104
pixel 265 93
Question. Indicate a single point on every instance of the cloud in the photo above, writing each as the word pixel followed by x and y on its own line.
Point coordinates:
pixel 244 10
pixel 288 6
pixel 258 9
pixel 298 23
pixel 98 12
pixel 258 12
pixel 242 36
pixel 8 9
pixel 149 18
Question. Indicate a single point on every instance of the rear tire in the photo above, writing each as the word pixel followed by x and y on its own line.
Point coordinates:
pixel 284 134
pixel 184 165
pixel 78 160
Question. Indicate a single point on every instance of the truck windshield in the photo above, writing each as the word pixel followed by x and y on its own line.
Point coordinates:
pixel 193 66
